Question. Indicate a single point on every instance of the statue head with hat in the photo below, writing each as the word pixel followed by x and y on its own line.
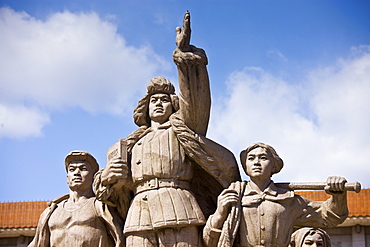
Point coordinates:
pixel 81 167
pixel 164 89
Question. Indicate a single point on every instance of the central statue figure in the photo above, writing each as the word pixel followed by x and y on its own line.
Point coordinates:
pixel 174 172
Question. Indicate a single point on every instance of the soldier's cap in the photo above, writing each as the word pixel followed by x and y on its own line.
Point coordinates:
pixel 160 84
pixel 83 156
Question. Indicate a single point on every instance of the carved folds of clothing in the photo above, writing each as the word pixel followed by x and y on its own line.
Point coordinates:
pixel 161 175
pixel 163 178
pixel 268 219
pixel 177 173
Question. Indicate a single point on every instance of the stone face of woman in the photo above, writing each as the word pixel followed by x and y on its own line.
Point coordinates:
pixel 313 240
pixel 259 165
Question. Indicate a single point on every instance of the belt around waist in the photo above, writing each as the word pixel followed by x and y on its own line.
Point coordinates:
pixel 156 183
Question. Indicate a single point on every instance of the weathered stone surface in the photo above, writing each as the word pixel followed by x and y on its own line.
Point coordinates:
pixel 174 172
pixel 167 184
pixel 78 219
pixel 310 237
pixel 258 213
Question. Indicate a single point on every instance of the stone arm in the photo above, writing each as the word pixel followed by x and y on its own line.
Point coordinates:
pixel 117 194
pixel 325 214
pixel 42 235
pixel 195 96
pixel 104 192
pixel 113 222
pixel 222 227
pixel 338 201
pixel 337 204
pixel 329 213
pixel 211 235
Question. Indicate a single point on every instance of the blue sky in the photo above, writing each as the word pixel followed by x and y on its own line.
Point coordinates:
pixel 293 74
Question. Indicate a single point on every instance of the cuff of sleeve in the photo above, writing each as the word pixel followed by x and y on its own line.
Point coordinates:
pixel 216 230
pixel 213 230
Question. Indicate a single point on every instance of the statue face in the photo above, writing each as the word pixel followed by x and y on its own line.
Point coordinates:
pixel 80 175
pixel 160 107
pixel 314 240
pixel 259 164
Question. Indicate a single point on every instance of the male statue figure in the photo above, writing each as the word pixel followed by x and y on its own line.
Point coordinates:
pixel 78 219
pixel 173 171
pixel 259 213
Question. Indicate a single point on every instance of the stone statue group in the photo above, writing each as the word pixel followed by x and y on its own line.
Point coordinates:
pixel 175 187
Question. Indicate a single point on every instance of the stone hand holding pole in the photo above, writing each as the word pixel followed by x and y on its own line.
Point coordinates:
pixel 356 186
pixel 224 201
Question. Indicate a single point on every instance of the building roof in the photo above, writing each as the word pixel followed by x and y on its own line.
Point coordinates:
pixel 358 203
pixel 20 214
pixel 26 214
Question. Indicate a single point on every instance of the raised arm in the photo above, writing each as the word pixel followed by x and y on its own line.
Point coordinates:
pixel 329 213
pixel 338 202
pixel 195 95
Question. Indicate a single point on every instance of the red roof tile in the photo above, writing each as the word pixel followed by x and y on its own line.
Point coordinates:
pixel 358 203
pixel 26 214
pixel 20 214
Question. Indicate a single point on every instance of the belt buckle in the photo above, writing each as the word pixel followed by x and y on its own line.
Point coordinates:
pixel 153 183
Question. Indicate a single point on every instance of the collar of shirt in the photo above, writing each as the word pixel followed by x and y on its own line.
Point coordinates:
pixel 147 130
pixel 271 193
pixel 165 125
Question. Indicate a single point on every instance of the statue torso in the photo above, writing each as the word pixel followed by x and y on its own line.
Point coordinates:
pixel 67 226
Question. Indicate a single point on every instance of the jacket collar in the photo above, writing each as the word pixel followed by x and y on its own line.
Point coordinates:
pixel 271 193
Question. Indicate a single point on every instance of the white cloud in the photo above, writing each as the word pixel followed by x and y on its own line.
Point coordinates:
pixel 320 126
pixel 69 60
pixel 19 121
